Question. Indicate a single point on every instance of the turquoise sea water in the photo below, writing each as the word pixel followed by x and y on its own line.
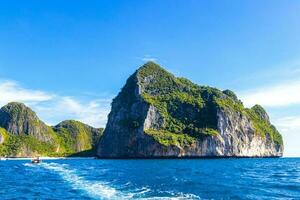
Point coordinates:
pixel 151 179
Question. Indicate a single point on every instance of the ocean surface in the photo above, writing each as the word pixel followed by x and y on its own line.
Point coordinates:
pixel 151 179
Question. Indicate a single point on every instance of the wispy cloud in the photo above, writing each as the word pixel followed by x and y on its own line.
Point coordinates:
pixel 283 94
pixel 288 123
pixel 147 58
pixel 93 112
pixel 53 108
pixel 12 91
pixel 289 127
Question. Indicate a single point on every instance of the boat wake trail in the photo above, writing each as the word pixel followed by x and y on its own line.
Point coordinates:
pixel 102 190
pixel 93 189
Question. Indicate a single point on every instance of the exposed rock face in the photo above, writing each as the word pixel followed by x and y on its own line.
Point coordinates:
pixel 124 129
pixel 159 115
pixel 18 119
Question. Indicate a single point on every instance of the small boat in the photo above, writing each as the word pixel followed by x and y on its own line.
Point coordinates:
pixel 36 160
pixel 3 158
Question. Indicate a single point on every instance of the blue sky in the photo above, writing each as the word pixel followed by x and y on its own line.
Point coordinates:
pixel 68 59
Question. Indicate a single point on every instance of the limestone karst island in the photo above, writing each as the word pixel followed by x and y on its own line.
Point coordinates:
pixel 155 115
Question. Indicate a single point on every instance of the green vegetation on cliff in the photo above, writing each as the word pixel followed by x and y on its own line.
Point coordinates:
pixel 262 124
pixel 189 109
pixel 257 115
pixel 185 107
pixel 167 138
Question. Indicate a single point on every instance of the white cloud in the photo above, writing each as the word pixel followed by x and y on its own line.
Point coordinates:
pixel 147 58
pixel 289 127
pixel 53 108
pixel 92 112
pixel 11 91
pixel 291 122
pixel 284 94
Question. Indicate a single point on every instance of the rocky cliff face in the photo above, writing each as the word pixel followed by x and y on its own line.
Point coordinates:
pixel 23 134
pixel 159 115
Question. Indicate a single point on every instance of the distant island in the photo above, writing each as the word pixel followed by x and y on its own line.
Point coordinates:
pixel 23 134
pixel 156 115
